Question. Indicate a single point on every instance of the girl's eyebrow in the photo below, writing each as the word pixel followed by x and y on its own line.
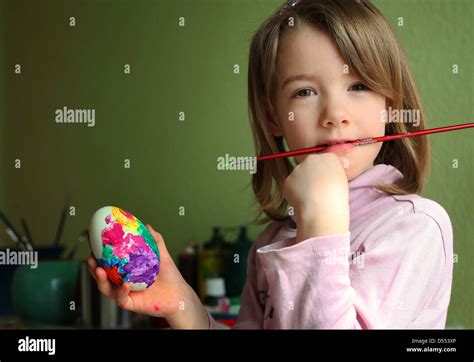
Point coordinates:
pixel 298 77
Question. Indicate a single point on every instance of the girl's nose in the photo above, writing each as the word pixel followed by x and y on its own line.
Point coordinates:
pixel 335 122
pixel 333 114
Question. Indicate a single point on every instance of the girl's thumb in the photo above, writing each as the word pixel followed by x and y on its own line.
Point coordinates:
pixel 158 238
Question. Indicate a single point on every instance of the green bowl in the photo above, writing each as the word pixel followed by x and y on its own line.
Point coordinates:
pixel 44 296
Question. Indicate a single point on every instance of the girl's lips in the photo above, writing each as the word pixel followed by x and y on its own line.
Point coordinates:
pixel 341 147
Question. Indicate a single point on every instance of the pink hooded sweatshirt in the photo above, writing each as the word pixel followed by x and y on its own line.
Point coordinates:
pixel 393 269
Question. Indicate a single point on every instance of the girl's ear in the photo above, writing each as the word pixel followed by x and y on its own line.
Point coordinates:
pixel 273 119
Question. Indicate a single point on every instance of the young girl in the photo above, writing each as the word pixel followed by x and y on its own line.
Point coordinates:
pixel 351 244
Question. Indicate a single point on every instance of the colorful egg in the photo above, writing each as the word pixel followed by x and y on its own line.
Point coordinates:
pixel 124 248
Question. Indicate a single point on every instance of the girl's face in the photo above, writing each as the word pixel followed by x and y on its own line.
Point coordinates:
pixel 318 100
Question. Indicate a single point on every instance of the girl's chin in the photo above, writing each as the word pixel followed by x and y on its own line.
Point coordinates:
pixel 353 172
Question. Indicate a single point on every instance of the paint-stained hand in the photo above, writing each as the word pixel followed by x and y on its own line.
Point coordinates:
pixel 167 297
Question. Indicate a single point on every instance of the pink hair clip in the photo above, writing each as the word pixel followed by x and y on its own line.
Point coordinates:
pixel 290 4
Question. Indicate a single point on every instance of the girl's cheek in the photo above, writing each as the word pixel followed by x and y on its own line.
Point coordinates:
pixel 374 126
pixel 373 152
pixel 372 108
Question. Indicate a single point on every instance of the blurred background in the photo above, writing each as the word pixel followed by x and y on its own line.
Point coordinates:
pixel 168 101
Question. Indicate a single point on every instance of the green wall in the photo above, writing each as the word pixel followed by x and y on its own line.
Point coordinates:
pixel 190 69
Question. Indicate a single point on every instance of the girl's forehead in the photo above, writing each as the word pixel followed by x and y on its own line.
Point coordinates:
pixel 308 49
pixel 307 42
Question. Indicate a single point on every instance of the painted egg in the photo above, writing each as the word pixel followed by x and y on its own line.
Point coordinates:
pixel 124 248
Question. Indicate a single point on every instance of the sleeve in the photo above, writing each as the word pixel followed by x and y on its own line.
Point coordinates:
pixel 313 284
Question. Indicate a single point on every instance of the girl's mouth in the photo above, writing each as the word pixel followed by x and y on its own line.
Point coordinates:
pixel 340 147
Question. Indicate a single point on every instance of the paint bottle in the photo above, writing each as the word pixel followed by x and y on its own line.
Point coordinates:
pixel 215 299
pixel 188 264
pixel 211 260
pixel 236 264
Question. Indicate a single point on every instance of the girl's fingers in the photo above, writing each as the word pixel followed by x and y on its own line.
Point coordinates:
pixel 123 299
pixel 103 283
pixel 90 261
pixel 92 265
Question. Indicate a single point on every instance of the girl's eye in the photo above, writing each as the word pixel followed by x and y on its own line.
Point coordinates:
pixel 304 93
pixel 358 87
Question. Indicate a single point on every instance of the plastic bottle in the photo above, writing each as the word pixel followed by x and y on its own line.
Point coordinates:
pixel 236 264
pixel 215 299
pixel 188 264
pixel 212 260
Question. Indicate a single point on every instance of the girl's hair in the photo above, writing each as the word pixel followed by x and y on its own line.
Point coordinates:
pixel 368 44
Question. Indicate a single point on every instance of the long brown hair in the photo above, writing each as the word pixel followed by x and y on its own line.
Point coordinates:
pixel 368 44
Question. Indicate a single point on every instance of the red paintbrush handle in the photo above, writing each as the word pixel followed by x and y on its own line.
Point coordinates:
pixel 366 141
pixel 412 134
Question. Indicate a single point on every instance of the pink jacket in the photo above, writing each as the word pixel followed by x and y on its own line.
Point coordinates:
pixel 393 269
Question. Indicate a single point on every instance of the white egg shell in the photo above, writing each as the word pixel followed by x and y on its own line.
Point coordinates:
pixel 124 247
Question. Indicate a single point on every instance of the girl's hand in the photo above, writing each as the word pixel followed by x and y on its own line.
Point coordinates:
pixel 169 296
pixel 318 189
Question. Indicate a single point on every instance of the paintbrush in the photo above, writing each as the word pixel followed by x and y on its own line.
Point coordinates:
pixel 26 230
pixel 62 220
pixel 82 237
pixel 363 141
pixel 14 235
